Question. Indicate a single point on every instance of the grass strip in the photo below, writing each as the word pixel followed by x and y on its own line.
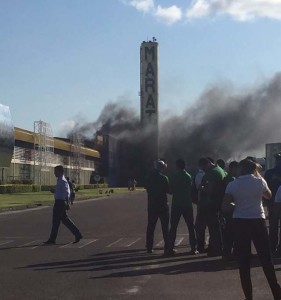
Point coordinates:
pixel 23 200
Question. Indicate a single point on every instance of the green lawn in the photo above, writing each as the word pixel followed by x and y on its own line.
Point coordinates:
pixel 22 200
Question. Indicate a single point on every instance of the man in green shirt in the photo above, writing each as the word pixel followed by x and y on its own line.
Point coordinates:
pixel 181 185
pixel 157 187
pixel 227 227
pixel 211 195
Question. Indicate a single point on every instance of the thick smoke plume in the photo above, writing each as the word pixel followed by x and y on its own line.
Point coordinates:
pixel 222 124
pixel 116 119
pixel 226 124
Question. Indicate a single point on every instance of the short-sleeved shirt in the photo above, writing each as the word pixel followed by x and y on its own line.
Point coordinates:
pixel 157 187
pixel 247 192
pixel 62 191
pixel 213 194
pixel 181 185
pixel 198 178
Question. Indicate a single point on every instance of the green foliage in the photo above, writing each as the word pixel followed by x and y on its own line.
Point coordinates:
pixel 21 181
pixel 36 188
pixel 47 188
pixel 34 199
pixel 28 188
pixel 15 188
pixel 95 186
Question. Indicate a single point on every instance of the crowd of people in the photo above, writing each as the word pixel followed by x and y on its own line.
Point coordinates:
pixel 230 204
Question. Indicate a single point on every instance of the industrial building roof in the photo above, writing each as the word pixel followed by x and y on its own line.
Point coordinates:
pixel 31 137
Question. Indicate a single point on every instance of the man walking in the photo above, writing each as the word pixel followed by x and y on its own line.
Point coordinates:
pixel 157 187
pixel 61 195
pixel 182 206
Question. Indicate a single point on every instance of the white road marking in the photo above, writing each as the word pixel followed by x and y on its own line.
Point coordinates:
pixel 114 243
pixel 36 242
pixel 129 245
pixel 124 242
pixel 178 241
pixel 131 291
pixel 66 245
pixel 5 242
pixel 88 243
pixel 161 243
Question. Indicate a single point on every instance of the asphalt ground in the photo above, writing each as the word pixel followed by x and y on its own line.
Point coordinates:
pixel 110 262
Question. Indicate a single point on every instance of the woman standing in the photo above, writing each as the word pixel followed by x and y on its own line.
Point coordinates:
pixel 245 195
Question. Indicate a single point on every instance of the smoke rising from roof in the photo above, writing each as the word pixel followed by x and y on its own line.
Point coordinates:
pixel 116 119
pixel 222 124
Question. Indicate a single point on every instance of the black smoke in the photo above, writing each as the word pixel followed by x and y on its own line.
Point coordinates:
pixel 223 123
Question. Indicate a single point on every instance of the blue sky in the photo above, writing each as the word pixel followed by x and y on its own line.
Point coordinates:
pixel 62 61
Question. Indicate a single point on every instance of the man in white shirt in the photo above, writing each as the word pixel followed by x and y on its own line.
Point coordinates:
pixel 61 195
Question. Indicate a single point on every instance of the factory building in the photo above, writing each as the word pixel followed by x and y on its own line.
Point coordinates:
pixel 34 162
pixel 30 156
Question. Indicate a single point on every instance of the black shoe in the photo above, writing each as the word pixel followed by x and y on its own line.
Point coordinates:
pixel 49 242
pixel 149 251
pixel 77 239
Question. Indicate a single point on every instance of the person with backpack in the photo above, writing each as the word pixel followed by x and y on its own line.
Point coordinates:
pixel 72 190
pixel 61 195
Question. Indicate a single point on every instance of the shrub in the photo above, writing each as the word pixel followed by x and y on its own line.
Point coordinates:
pixel 47 187
pixel 15 188
pixel 36 188
pixel 95 186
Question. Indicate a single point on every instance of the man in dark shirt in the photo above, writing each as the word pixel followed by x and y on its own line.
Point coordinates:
pixel 157 187
pixel 182 206
pixel 227 226
pixel 273 179
pixel 211 195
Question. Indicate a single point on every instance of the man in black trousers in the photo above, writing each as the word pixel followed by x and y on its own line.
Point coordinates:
pixel 61 195
pixel 181 184
pixel 157 187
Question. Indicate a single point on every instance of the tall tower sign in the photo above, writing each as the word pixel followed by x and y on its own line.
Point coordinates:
pixel 149 83
pixel 149 92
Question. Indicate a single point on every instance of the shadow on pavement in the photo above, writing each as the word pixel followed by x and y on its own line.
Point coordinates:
pixel 137 263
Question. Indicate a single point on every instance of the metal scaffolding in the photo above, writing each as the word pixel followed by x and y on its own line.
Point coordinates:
pixel 76 157
pixel 43 152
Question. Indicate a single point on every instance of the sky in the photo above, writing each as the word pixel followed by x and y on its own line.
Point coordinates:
pixel 62 61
